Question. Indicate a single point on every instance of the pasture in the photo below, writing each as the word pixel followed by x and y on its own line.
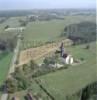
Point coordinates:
pixel 40 32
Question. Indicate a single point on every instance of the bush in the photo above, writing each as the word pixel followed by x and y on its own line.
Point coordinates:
pixel 22 81
pixel 11 85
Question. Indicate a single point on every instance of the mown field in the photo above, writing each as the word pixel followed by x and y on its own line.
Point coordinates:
pixel 44 31
pixel 69 81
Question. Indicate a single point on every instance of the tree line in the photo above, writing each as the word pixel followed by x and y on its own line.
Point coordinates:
pixel 83 32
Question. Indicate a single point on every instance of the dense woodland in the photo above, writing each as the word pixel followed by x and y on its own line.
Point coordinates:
pixel 83 32
pixel 8 42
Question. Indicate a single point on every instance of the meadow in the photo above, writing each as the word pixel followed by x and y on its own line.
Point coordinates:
pixel 47 31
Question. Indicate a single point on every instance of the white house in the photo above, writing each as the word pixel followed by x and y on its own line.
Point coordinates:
pixel 69 59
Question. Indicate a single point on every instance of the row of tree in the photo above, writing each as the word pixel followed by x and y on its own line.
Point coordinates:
pixel 90 92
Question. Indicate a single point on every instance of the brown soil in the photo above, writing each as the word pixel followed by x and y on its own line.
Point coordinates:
pixel 39 52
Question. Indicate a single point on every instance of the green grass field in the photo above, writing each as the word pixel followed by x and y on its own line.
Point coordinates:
pixel 44 31
pixel 4 66
pixel 5 61
pixel 71 80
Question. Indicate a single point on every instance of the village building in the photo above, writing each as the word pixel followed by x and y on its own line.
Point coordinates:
pixel 67 58
pixel 18 29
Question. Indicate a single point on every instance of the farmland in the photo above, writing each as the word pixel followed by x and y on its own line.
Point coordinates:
pixel 39 43
pixel 40 32
pixel 40 52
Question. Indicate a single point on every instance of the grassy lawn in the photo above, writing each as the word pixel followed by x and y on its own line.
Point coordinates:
pixel 4 66
pixel 43 31
pixel 40 32
pixel 69 81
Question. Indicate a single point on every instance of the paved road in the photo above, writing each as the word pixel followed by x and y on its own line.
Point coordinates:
pixel 12 66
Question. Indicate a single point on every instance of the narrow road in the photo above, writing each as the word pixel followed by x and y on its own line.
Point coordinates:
pixel 14 59
pixel 12 66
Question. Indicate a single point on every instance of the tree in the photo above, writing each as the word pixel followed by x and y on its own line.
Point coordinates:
pixel 11 85
pixel 6 27
pixel 23 22
pixel 49 60
pixel 32 18
pixel 87 47
pixel 83 32
pixel 22 81
pixel 33 65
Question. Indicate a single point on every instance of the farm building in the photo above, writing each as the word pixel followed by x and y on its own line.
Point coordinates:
pixel 69 59
pixel 18 29
pixel 62 59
